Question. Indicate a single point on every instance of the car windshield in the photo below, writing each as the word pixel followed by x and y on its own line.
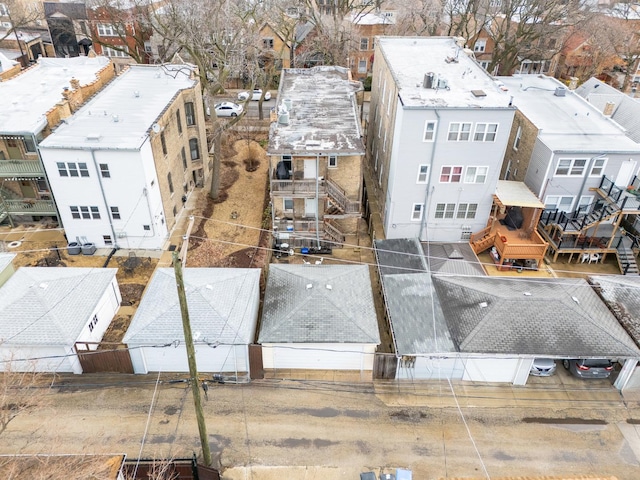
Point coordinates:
pixel 596 362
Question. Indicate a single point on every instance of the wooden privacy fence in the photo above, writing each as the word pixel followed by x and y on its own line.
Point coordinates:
pixel 115 359
pixel 256 370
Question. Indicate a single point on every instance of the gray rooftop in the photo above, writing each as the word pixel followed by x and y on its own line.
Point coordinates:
pixel 622 295
pixel 50 305
pixel 410 58
pixel 121 115
pixel 567 123
pixel 400 255
pixel 419 326
pixel 626 110
pixel 222 307
pixel 542 317
pixel 319 304
pixel 5 260
pixel 323 117
pixel 26 98
pixel 452 258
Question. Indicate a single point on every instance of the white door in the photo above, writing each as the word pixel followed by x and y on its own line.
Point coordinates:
pixel 310 207
pixel 310 169
pixel 625 173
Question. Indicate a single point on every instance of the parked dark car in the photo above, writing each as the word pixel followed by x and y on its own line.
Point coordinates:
pixel 589 367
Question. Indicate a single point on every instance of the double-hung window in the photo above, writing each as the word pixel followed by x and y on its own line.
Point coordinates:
pixel 190 114
pixel 104 170
pixel 476 174
pixel 558 202
pixel 467 210
pixel 445 210
pixel 416 212
pixel 459 132
pixel 106 30
pixel 429 131
pixel 485 132
pixel 571 167
pixel 597 168
pixel 450 174
pixel 423 173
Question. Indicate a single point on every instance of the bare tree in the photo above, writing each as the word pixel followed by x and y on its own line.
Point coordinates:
pixel 622 29
pixel 419 18
pixel 20 14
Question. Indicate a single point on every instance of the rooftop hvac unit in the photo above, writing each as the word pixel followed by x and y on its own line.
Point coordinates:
pixel 560 92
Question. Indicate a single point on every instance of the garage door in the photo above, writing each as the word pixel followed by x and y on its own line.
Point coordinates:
pixel 490 369
pixel 427 368
pixel 330 356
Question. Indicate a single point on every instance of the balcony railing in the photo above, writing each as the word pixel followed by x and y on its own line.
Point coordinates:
pixel 297 186
pixel 20 169
pixel 28 207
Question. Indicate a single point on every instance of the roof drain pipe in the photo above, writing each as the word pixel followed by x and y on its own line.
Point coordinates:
pixel 423 223
pixel 317 200
pixel 104 198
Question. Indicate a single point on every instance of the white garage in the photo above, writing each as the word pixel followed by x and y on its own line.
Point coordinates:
pixel 45 311
pixel 223 310
pixel 319 317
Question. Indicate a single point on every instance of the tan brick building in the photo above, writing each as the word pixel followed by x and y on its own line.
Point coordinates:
pixel 316 157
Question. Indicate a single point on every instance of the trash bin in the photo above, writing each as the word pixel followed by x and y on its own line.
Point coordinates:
pixel 74 248
pixel 88 249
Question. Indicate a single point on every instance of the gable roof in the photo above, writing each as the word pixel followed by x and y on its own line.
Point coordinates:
pixel 399 255
pixel 537 317
pixel 622 295
pixel 50 305
pixel 223 305
pixel 452 258
pixel 319 304
pixel 626 110
pixel 323 117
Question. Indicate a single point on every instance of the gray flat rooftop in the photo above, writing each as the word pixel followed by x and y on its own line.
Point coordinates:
pixel 121 115
pixel 568 123
pixel 26 98
pixel 410 58
pixel 323 117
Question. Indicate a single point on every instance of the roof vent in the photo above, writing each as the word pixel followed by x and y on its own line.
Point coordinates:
pixel 329 287
pixel 451 60
pixel 43 286
pixel 478 93
pixel 209 287
pixel 608 108
pixel 94 137
pixel 115 118
pixel 283 118
pixel 136 93
pixel 484 304
pixel 560 91
pixel 309 286
pixel 527 294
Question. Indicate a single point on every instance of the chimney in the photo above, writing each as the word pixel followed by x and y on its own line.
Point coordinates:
pixel 573 83
pixel 75 83
pixel 608 109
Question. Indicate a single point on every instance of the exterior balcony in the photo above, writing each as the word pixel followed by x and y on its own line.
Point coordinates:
pixel 20 169
pixel 27 206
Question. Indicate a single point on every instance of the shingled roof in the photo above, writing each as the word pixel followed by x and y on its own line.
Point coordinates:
pixel 319 304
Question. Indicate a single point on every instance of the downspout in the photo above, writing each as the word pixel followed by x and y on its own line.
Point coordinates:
pixel 104 197
pixel 423 223
pixel 317 200
pixel 151 221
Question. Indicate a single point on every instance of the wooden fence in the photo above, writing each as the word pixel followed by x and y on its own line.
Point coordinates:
pixel 115 359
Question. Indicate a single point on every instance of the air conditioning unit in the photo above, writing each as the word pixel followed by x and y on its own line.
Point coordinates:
pixel 122 234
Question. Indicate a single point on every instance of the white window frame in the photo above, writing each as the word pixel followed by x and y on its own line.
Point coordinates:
pixel 362 65
pixel 571 167
pixel 284 204
pixel 484 132
pixel 557 202
pixel 429 133
pixel 459 132
pixel 364 43
pixel 445 211
pixel 423 173
pixel 584 201
pixel 476 174
pixel 417 211
pixel 332 161
pixel 466 210
pixel 109 52
pixel 485 64
pixel 595 166
pixel 106 30
pixel 516 141
pixel 480 45
pixel 451 174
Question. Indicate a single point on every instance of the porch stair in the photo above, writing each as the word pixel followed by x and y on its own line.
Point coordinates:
pixel 606 212
pixel 339 198
pixel 8 194
pixel 627 259
pixel 333 234
pixel 482 240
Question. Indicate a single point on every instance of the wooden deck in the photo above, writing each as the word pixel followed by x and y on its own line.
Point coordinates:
pixel 510 244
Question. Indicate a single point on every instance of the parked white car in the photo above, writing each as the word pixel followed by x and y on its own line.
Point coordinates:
pixel 228 109
pixel 255 96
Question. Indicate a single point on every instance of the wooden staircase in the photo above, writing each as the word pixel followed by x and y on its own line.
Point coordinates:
pixel 333 234
pixel 339 199
pixel 627 259
pixel 482 240
pixel 605 212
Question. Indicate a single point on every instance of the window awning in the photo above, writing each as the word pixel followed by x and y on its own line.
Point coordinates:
pixel 516 194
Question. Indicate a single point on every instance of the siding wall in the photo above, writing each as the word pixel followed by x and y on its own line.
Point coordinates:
pixel 318 356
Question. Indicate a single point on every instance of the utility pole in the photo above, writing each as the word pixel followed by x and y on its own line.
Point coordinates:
pixel 191 357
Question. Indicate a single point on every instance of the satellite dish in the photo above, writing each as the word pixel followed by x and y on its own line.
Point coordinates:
pixel 156 127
